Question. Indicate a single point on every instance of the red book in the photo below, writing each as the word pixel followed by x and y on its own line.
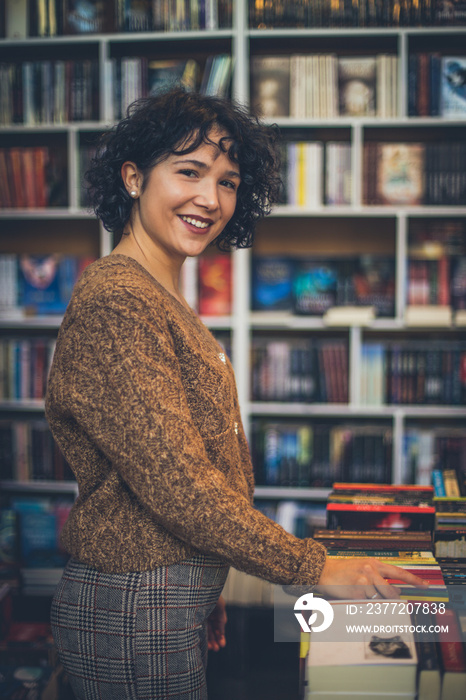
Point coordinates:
pixel 443 283
pixel 215 285
pixel 378 508
pixel 6 195
pixel 423 93
pixel 29 177
pixel 41 156
pixel 15 168
pixel 343 486
pixel 452 655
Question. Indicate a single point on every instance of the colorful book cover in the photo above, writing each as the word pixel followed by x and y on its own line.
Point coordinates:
pixel 138 15
pixel 162 74
pixel 373 283
pixel 400 176
pixel 38 533
pixel 272 284
pixel 45 282
pixel 357 86
pixel 270 86
pixel 215 285
pixel 449 12
pixel 346 516
pixel 39 284
pixel 314 287
pixel 453 86
pixel 84 16
pixel 39 546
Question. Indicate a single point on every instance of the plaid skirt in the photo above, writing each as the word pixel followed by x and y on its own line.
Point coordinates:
pixel 136 635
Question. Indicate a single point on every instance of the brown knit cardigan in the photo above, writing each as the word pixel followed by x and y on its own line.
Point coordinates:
pixel 142 401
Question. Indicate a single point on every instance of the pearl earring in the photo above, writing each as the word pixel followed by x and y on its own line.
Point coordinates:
pixel 133 193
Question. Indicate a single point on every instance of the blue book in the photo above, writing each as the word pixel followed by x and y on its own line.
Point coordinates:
pixel 437 482
pixel 272 284
pixel 46 282
pixel 315 287
pixel 453 86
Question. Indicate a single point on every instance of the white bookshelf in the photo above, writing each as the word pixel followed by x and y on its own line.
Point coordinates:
pixel 244 42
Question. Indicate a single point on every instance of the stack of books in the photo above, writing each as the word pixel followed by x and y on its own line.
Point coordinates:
pixel 450 513
pixel 424 657
pixel 381 506
pixel 409 550
pixel 411 664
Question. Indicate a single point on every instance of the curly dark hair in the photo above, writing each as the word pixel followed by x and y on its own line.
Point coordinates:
pixel 178 122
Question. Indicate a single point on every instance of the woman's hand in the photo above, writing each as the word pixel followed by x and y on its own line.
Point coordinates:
pixel 216 626
pixel 363 578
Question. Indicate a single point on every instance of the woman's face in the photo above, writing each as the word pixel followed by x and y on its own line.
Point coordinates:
pixel 188 200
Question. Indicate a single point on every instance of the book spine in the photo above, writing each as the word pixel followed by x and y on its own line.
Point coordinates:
pixel 437 480
pixel 451 646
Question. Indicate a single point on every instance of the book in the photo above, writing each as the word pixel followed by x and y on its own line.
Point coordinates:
pixel 400 174
pixel 45 283
pixel 407 493
pixel 164 73
pixel 217 76
pixel 372 539
pixel 270 86
pixel 214 296
pixel 452 12
pixel 84 16
pixel 458 284
pixel 452 655
pixel 373 283
pixel 271 284
pixel 380 506
pixel 453 86
pixel 314 287
pixel 17 19
pixel 137 16
pixel 9 548
pixel 40 520
pixel 429 679
pixel 284 370
pixel 304 173
pixel 373 665
pixel 451 483
pixel 357 86
pixel 338 174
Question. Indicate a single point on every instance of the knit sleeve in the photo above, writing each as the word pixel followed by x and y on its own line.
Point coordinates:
pixel 126 390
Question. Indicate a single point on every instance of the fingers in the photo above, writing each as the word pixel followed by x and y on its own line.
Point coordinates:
pixel 215 638
pixel 216 627
pixel 367 577
pixel 382 571
pixel 397 572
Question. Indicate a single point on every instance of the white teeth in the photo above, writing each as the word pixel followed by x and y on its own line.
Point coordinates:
pixel 194 222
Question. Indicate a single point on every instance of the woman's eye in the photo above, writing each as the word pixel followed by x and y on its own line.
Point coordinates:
pixel 229 184
pixel 189 173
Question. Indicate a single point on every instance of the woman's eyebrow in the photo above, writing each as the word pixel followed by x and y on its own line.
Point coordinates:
pixel 203 166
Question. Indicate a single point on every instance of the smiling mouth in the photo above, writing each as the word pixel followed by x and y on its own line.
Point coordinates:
pixel 195 222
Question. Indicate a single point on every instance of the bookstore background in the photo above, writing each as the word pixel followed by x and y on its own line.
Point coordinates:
pixel 346 322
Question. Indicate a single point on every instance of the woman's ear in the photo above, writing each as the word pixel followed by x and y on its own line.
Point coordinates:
pixel 131 178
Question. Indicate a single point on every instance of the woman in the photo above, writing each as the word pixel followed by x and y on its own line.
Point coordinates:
pixel 142 401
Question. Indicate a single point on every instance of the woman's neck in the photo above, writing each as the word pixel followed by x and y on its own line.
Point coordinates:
pixel 166 274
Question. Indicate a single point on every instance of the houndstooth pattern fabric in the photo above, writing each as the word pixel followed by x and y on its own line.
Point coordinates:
pixel 136 636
